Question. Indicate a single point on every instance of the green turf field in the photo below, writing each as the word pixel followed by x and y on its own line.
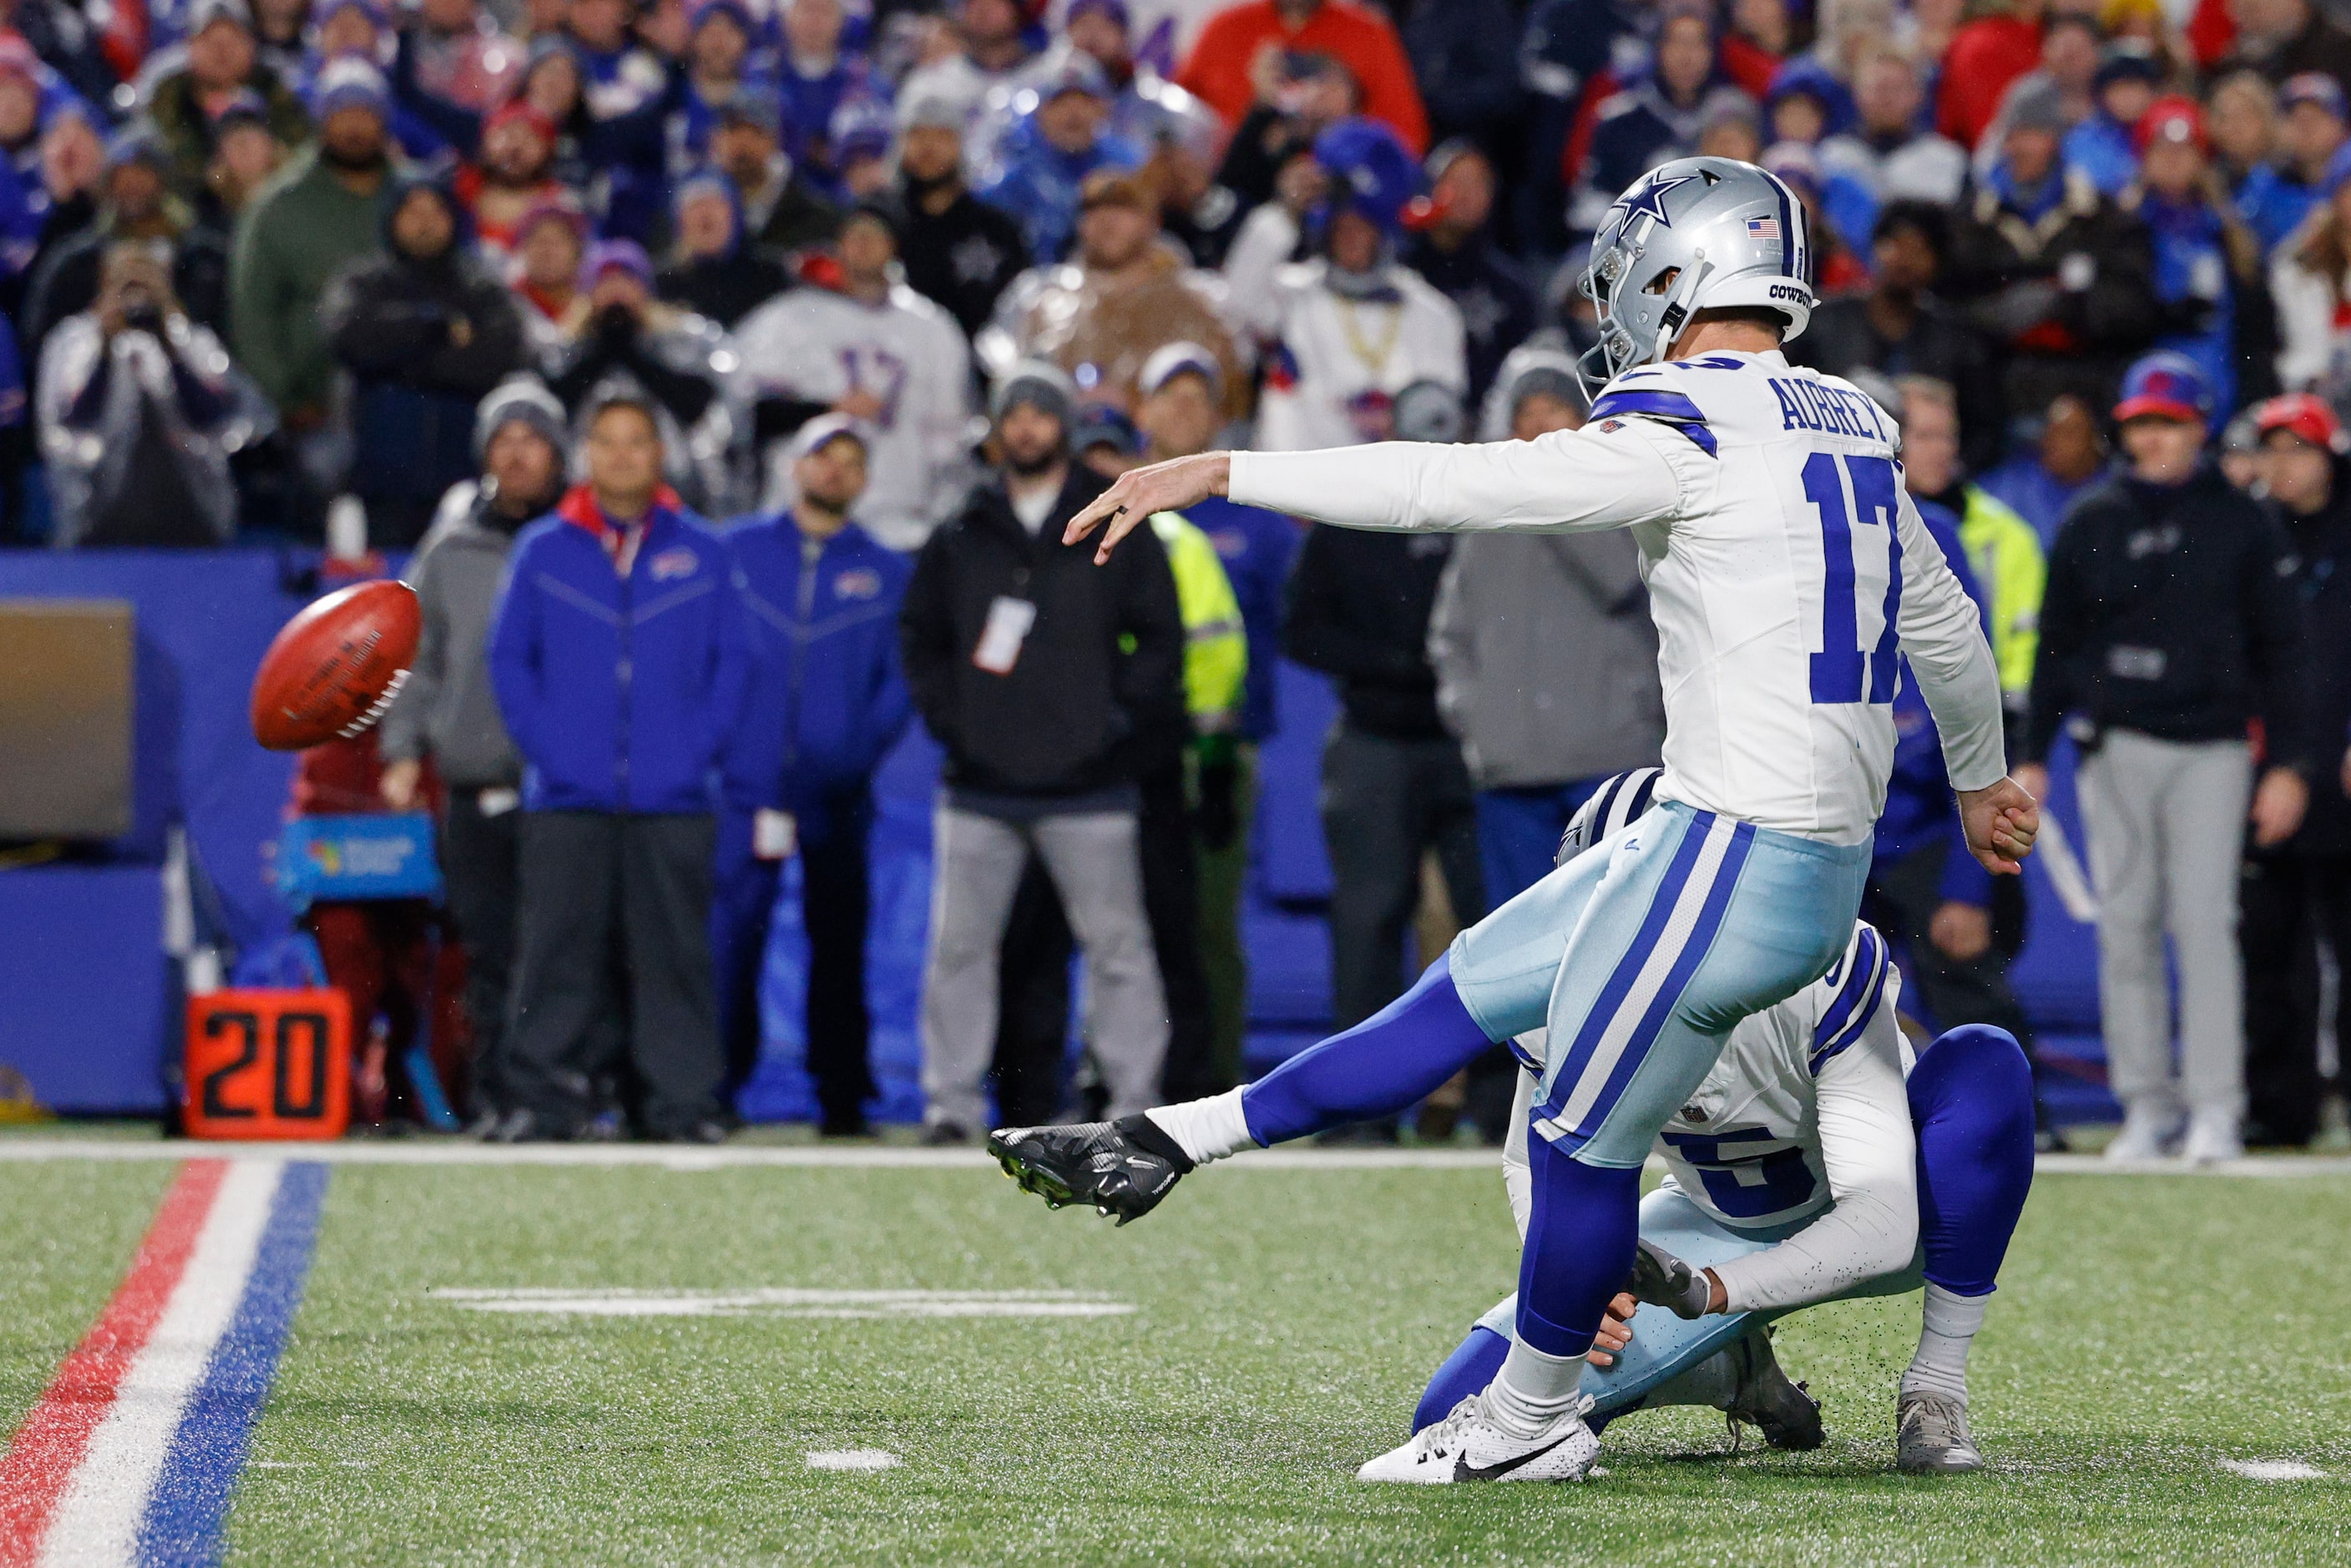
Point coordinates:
pixel 2146 1329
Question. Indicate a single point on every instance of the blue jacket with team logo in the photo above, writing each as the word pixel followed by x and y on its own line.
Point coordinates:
pixel 618 691
pixel 824 697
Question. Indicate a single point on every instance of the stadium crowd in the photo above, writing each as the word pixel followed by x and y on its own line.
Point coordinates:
pixel 888 291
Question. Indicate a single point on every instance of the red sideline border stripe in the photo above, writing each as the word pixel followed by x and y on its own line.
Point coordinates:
pixel 48 1447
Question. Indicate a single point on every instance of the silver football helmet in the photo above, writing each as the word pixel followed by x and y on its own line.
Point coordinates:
pixel 1696 234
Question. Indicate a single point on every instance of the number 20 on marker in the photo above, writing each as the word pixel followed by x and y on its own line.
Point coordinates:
pixel 269 1065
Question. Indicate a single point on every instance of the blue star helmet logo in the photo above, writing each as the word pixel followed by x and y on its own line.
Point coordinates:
pixel 1651 197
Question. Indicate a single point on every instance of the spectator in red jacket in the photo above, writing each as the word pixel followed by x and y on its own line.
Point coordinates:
pixel 1223 59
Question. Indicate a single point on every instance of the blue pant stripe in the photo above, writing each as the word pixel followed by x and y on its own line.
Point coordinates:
pixel 1628 967
pixel 1677 979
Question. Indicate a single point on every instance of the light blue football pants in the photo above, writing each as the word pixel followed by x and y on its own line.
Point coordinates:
pixel 1640 957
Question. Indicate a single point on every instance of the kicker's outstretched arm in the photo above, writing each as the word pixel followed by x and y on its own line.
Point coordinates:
pixel 1567 481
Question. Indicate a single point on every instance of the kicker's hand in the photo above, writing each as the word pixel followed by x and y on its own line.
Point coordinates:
pixel 2001 822
pixel 1168 486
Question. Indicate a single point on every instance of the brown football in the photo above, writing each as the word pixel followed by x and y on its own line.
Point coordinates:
pixel 334 669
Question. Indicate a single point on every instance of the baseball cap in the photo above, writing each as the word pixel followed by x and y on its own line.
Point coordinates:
pixel 824 429
pixel 1172 360
pixel 2171 118
pixel 205 13
pixel 617 256
pixel 753 105
pixel 2127 60
pixel 17 59
pixel 2308 416
pixel 1100 424
pixel 349 83
pixel 2165 385
pixel 1075 71
pixel 2314 87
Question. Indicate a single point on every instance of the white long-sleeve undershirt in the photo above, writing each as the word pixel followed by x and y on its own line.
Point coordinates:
pixel 1561 483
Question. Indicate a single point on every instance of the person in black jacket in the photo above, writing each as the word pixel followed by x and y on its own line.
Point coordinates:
pixel 425 332
pixel 716 275
pixel 1393 783
pixel 1455 251
pixel 1054 684
pixel 2169 627
pixel 1903 327
pixel 959 253
pixel 2301 888
pixel 2061 278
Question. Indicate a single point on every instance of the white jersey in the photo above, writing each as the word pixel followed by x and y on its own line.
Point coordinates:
pixel 1340 360
pixel 813 345
pixel 1804 1122
pixel 1788 573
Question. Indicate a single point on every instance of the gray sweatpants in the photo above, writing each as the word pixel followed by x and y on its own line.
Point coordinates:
pixel 1092 859
pixel 2167 828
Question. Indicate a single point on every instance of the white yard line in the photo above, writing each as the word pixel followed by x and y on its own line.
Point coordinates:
pixel 98 1521
pixel 456 1152
pixel 2274 1469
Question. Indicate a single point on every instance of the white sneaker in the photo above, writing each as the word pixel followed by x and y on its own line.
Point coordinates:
pixel 1466 1446
pixel 2212 1137
pixel 2145 1131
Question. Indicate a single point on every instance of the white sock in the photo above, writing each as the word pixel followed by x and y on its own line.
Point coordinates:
pixel 1533 1391
pixel 1713 1380
pixel 1206 1129
pixel 1941 1365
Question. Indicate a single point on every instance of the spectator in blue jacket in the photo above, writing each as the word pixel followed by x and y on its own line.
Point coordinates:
pixel 1048 152
pixel 618 657
pixel 824 702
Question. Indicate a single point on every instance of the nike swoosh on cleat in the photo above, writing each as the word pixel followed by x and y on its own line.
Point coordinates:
pixel 1463 1471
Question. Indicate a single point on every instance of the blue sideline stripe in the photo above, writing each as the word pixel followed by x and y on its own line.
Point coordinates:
pixel 1669 995
pixel 1628 967
pixel 190 1502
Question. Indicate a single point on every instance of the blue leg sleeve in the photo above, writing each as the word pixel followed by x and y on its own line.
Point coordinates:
pixel 1466 1371
pixel 1389 1063
pixel 1971 1102
pixel 1579 1247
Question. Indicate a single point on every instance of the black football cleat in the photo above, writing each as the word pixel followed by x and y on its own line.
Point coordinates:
pixel 1122 1169
pixel 1789 1417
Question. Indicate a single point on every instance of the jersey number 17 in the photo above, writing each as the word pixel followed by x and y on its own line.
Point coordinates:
pixel 1841 670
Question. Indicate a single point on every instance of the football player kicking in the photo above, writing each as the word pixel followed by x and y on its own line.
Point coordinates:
pixel 1789 576
pixel 1803 1169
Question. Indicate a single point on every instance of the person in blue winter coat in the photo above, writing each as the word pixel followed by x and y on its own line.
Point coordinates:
pixel 824 702
pixel 617 656
pixel 1050 151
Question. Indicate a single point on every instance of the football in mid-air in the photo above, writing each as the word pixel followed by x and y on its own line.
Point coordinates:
pixel 333 669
